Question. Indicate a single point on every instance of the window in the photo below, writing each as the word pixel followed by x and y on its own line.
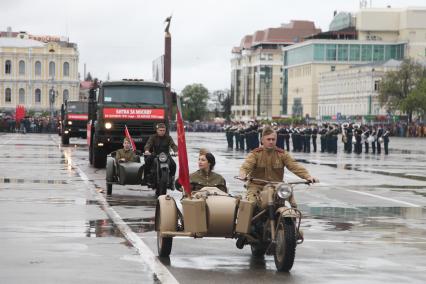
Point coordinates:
pixel 354 52
pixel 342 52
pixel 21 96
pixel 366 53
pixel 21 67
pixel 66 69
pixel 38 68
pixel 379 53
pixel 65 95
pixel 319 50
pixel 37 97
pixel 8 95
pixel 333 68
pixel 8 67
pixel 331 52
pixel 376 85
pixel 52 69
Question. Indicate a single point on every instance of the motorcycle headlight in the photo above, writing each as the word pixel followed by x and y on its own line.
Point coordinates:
pixel 69 122
pixel 162 157
pixel 284 191
pixel 108 125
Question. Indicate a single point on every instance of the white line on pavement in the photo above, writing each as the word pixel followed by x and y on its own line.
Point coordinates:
pixel 384 198
pixel 162 273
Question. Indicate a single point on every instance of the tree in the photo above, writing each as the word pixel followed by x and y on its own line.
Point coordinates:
pixel 416 100
pixel 194 101
pixel 226 104
pixel 88 77
pixel 396 86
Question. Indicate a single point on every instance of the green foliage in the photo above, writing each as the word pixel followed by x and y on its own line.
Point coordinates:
pixel 396 87
pixel 416 100
pixel 226 104
pixel 194 102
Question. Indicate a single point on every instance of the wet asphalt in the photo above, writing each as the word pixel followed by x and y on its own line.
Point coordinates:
pixel 364 222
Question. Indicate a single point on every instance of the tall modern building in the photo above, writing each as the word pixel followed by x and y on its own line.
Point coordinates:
pixel 372 36
pixel 36 69
pixel 256 70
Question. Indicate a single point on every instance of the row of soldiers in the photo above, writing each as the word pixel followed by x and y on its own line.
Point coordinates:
pixel 247 137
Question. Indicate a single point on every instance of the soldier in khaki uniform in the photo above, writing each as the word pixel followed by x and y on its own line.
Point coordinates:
pixel 126 154
pixel 267 162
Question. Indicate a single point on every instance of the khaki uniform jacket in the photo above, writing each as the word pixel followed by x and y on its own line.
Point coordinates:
pixel 200 179
pixel 269 165
pixel 128 155
pixel 153 140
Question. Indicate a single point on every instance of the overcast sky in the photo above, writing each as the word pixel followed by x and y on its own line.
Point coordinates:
pixel 123 37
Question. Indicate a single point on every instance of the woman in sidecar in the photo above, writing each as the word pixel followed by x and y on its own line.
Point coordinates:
pixel 205 176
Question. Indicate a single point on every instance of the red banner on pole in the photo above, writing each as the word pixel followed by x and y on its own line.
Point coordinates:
pixel 127 133
pixel 183 155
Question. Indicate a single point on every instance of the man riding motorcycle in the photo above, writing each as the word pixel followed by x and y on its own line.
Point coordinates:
pixel 156 144
pixel 267 162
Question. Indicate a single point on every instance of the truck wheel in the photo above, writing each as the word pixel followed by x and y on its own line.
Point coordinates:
pixel 285 249
pixel 99 157
pixel 91 155
pixel 109 189
pixel 65 139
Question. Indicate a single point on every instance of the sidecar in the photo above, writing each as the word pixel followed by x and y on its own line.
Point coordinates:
pixel 208 212
pixel 129 173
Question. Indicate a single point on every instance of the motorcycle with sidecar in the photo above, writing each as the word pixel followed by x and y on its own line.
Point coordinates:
pixel 128 173
pixel 272 226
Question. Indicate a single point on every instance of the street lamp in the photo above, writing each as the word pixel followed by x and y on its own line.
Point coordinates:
pixel 52 98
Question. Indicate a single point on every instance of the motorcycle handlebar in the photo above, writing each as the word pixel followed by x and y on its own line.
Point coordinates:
pixel 267 181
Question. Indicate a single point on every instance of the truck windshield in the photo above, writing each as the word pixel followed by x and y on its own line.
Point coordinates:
pixel 77 107
pixel 134 94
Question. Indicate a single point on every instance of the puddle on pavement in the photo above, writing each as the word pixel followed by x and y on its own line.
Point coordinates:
pixel 358 167
pixel 106 228
pixel 41 181
pixel 343 219
pixel 131 201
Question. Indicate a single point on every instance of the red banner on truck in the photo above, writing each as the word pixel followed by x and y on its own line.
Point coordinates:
pixel 133 113
pixel 77 116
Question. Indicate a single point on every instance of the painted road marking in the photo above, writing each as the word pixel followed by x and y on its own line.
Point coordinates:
pixel 161 271
pixel 384 198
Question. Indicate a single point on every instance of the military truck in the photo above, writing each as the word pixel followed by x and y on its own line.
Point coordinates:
pixel 113 105
pixel 73 120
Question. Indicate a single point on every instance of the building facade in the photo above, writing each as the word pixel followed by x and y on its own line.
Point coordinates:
pixel 256 70
pixel 36 69
pixel 381 35
pixel 304 63
pixel 353 91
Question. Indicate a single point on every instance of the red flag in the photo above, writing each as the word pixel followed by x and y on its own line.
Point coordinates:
pixel 127 133
pixel 183 156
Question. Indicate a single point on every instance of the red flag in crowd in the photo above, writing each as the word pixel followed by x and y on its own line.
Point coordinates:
pixel 19 113
pixel 183 156
pixel 127 133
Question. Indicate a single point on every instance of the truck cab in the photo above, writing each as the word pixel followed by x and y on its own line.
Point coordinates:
pixel 73 120
pixel 136 104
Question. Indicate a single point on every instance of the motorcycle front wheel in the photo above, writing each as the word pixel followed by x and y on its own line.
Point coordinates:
pixel 285 250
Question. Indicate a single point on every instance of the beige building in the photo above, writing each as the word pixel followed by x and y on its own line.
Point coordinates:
pixel 380 35
pixel 33 68
pixel 353 91
pixel 256 76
